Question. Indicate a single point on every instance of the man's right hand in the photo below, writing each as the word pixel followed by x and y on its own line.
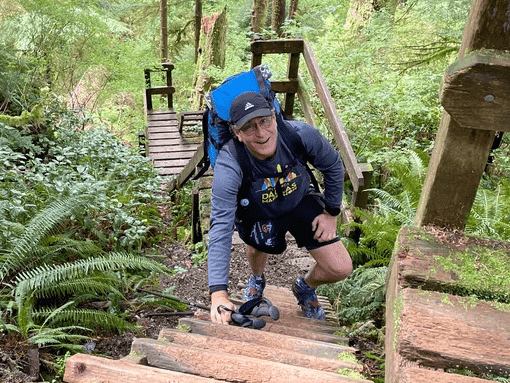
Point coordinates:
pixel 220 298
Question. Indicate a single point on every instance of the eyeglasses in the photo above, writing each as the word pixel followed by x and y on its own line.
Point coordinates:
pixel 251 128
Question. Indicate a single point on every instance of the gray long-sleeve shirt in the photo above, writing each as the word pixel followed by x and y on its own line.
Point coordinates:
pixel 228 176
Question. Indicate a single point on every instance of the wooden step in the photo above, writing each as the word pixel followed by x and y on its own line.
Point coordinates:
pixel 277 328
pixel 428 326
pixel 262 352
pixel 83 368
pixel 444 331
pixel 266 338
pixel 229 367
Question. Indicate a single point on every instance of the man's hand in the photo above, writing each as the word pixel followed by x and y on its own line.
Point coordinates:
pixel 324 226
pixel 220 298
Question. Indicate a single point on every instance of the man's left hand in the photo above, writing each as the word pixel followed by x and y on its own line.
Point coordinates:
pixel 324 226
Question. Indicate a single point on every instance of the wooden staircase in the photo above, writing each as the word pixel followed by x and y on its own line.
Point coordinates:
pixel 292 349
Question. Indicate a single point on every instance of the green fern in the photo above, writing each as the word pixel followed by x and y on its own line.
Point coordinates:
pixel 86 317
pixel 490 212
pixel 57 279
pixel 25 250
pixel 358 297
pixel 376 243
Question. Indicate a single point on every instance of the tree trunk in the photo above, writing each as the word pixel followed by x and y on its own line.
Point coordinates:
pixel 293 8
pixel 212 52
pixel 277 16
pixel 164 29
pixel 258 16
pixel 198 26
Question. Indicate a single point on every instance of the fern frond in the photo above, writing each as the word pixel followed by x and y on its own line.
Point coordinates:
pixel 57 336
pixel 86 317
pixel 360 295
pixel 42 224
pixel 45 276
pixel 96 284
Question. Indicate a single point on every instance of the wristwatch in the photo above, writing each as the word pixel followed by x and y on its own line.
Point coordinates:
pixel 334 211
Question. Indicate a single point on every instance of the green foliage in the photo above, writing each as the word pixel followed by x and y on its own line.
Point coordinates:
pixel 358 297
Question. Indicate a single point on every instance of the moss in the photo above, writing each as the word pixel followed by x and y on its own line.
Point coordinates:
pixel 479 271
pixel 397 320
pixel 183 327
pixel 346 356
pixel 350 373
pixel 446 299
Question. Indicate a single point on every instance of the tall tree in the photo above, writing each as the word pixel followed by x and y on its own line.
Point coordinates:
pixel 258 16
pixel 277 16
pixel 164 29
pixel 293 8
pixel 198 26
pixel 212 52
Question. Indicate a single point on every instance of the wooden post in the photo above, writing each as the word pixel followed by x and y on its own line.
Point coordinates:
pixel 168 68
pixel 195 217
pixel 460 152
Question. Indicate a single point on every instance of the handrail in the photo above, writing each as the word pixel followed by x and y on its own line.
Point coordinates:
pixel 293 85
pixel 337 127
pixel 167 90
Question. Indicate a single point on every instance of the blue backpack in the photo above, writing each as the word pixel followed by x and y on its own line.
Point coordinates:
pixel 216 125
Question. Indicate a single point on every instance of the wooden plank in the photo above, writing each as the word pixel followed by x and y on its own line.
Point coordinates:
pixel 173 149
pixel 261 352
pixel 268 339
pixel 170 163
pixel 338 129
pixel 476 91
pixel 172 142
pixel 163 135
pixel 276 327
pixel 224 366
pixel 446 331
pixel 276 46
pixel 172 155
pixel 160 90
pixel 421 258
pixel 83 368
pixel 285 86
pixel 166 116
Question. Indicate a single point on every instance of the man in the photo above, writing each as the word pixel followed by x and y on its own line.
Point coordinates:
pixel 276 198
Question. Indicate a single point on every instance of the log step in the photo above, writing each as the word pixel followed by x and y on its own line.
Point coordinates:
pixel 268 339
pixel 229 367
pixel 83 368
pixel 261 352
pixel 444 331
pixel 277 328
pixel 429 326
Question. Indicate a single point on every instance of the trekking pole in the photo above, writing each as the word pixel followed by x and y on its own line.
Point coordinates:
pixel 236 315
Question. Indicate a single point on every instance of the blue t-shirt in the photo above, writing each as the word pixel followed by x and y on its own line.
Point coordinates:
pixel 227 181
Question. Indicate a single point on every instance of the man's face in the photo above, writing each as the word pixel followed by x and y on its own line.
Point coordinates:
pixel 259 136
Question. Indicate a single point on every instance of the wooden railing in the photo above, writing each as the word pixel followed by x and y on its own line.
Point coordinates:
pixel 358 174
pixel 167 90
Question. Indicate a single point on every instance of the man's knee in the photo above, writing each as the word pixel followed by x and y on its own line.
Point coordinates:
pixel 337 265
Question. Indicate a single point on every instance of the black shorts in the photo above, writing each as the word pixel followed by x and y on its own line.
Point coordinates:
pixel 268 235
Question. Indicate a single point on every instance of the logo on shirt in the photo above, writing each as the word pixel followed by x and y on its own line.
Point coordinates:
pixel 287 184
